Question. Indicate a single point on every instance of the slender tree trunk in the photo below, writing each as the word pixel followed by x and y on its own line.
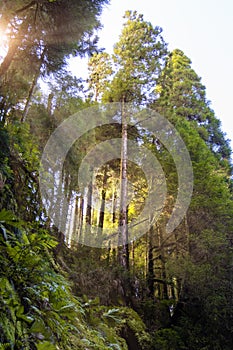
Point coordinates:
pixel 70 222
pixel 32 87
pixel 58 195
pixel 30 93
pixel 89 204
pixel 13 48
pixel 133 258
pixel 9 57
pixel 80 220
pixel 150 260
pixel 65 203
pixel 163 260
pixel 114 199
pixel 61 211
pixel 123 251
pixel 75 224
pixel 103 197
pixel 164 278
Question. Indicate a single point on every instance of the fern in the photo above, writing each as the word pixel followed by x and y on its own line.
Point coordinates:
pixel 113 314
pixel 9 218
pixel 38 310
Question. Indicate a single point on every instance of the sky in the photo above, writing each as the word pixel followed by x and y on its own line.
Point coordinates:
pixel 203 29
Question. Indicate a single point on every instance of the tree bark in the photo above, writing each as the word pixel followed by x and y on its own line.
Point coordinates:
pixel 9 58
pixel 123 251
pixel 13 47
pixel 32 87
pixel 150 273
pixel 80 219
pixel 114 198
pixel 103 197
pixel 89 204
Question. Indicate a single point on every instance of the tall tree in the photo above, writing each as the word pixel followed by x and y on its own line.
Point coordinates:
pixel 180 93
pixel 138 57
pixel 40 43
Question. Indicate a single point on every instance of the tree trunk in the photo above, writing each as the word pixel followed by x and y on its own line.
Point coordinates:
pixel 89 204
pixel 13 48
pixel 123 251
pixel 30 93
pixel 150 260
pixel 103 197
pixel 32 87
pixel 75 224
pixel 9 58
pixel 80 219
pixel 163 260
pixel 114 199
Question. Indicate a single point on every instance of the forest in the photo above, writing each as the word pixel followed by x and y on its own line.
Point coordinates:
pixel 116 192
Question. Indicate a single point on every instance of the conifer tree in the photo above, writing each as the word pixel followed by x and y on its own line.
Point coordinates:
pixel 181 94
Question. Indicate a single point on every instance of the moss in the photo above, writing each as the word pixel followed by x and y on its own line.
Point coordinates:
pixel 134 327
pixel 117 328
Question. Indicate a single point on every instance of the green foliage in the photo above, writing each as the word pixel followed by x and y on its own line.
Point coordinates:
pixel 21 190
pixel 112 315
pixel 100 71
pixel 135 324
pixel 40 43
pixel 31 291
pixel 167 339
pixel 138 56
pixel 118 323
pixel 45 346
pixel 38 310
pixel 181 95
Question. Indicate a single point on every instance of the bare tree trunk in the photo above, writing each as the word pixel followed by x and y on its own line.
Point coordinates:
pixel 30 93
pixel 75 223
pixel 9 58
pixel 133 258
pixel 150 260
pixel 123 251
pixel 89 204
pixel 103 197
pixel 114 199
pixel 70 221
pixel 32 87
pixel 80 219
pixel 13 48
pixel 163 260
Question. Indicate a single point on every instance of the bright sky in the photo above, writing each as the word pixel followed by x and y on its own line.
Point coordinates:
pixel 203 29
